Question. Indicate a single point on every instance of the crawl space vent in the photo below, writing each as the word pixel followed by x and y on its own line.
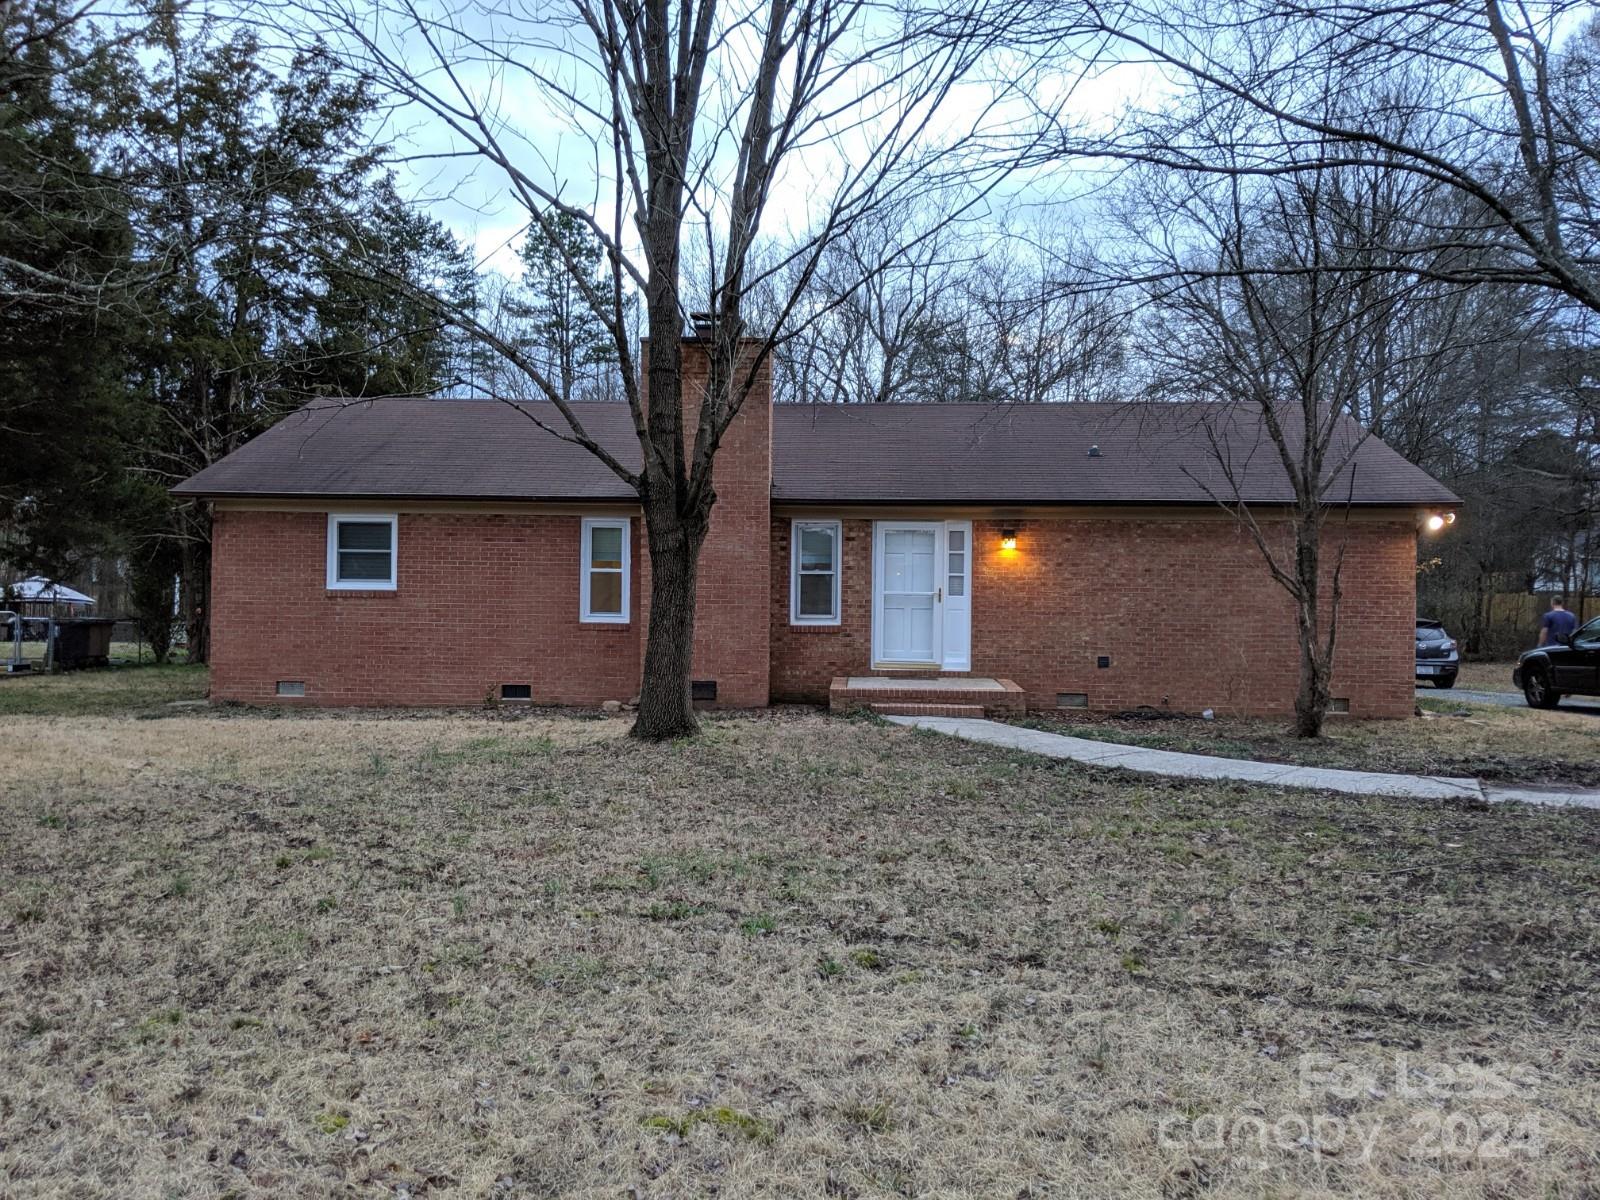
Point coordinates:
pixel 703 689
pixel 291 687
pixel 1339 704
pixel 516 691
pixel 1072 699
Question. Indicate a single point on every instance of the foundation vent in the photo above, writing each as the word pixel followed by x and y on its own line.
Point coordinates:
pixel 1072 699
pixel 516 691
pixel 291 687
pixel 703 689
pixel 1339 704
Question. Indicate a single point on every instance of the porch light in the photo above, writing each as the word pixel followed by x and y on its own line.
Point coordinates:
pixel 1438 521
pixel 1008 539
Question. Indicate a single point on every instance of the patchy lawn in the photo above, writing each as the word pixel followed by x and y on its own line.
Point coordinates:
pixel 119 690
pixel 1452 737
pixel 471 955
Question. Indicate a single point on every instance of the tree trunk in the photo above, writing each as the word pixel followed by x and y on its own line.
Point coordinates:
pixel 1311 701
pixel 665 708
pixel 196 587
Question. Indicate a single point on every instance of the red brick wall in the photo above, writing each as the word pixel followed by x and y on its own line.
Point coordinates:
pixel 487 599
pixel 806 657
pixel 1184 608
pixel 483 599
pixel 731 644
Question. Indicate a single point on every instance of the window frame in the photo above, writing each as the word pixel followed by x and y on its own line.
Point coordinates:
pixel 586 568
pixel 965 574
pixel 335 584
pixel 796 526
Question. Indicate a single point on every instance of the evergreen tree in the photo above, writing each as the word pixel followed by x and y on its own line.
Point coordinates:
pixel 572 343
pixel 369 333
pixel 241 174
pixel 67 416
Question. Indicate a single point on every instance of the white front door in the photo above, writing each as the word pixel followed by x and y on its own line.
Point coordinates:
pixel 922 606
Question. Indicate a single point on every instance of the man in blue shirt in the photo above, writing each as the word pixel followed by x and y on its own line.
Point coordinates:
pixel 1557 625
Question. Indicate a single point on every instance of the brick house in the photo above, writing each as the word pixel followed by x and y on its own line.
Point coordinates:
pixel 417 552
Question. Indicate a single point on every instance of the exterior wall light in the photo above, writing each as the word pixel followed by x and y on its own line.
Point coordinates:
pixel 1439 521
pixel 1008 539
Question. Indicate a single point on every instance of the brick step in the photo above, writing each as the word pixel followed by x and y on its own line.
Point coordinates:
pixel 926 696
pixel 927 710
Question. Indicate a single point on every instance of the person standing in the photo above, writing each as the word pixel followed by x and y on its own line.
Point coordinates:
pixel 1558 623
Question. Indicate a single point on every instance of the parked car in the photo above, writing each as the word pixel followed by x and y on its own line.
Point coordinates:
pixel 1570 668
pixel 1438 658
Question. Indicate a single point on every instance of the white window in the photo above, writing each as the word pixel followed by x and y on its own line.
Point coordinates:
pixel 362 551
pixel 603 583
pixel 814 573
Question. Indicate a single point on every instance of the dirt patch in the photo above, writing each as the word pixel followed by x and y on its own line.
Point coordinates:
pixel 797 957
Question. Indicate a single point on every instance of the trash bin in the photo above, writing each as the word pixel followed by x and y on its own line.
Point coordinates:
pixel 83 642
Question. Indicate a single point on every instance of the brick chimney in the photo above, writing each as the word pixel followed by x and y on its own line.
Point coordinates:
pixel 732 637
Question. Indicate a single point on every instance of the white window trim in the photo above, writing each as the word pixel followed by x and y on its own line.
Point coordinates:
pixel 836 527
pixel 591 618
pixel 335 584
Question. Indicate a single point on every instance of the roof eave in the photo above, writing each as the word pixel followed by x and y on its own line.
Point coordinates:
pixel 1092 502
pixel 401 497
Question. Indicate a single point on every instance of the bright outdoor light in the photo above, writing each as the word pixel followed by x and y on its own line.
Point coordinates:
pixel 1008 539
pixel 1435 522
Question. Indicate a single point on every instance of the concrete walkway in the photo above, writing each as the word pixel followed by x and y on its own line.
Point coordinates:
pixel 1205 766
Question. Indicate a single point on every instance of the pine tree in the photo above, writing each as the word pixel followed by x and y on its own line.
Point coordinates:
pixel 563 333
pixel 369 334
pixel 67 415
pixel 240 174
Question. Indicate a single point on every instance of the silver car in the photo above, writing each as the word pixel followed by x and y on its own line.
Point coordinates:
pixel 1438 656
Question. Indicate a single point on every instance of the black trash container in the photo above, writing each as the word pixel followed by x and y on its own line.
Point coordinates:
pixel 83 642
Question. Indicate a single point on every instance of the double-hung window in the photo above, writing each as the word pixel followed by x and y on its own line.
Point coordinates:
pixel 603 582
pixel 363 552
pixel 814 573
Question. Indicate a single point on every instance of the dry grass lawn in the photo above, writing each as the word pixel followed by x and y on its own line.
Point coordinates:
pixel 1485 676
pixel 469 955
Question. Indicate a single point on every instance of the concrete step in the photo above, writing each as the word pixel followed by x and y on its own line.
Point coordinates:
pixel 925 696
pixel 927 710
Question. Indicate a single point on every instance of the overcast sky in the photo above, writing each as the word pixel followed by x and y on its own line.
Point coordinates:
pixel 472 197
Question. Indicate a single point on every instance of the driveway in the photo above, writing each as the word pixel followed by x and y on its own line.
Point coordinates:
pixel 1588 705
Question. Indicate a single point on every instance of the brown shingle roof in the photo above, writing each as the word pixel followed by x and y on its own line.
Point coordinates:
pixel 438 449
pixel 822 454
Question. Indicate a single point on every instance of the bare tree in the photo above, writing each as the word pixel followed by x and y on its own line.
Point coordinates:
pixel 690 116
pixel 1486 99
pixel 1040 331
pixel 981 313
pixel 1270 307
pixel 883 291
